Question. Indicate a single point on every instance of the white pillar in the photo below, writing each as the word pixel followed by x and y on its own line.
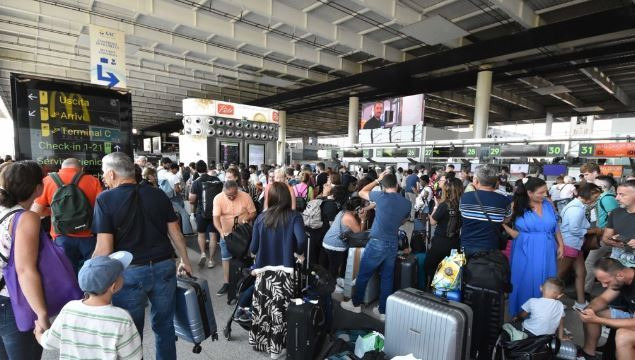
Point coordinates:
pixel 483 97
pixel 282 137
pixel 353 120
pixel 590 120
pixel 548 124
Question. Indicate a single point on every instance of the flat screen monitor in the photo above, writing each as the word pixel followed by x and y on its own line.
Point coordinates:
pixel 391 113
pixel 554 170
pixel 519 168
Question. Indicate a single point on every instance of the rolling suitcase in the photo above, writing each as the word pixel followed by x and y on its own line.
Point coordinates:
pixel 488 307
pixel 236 268
pixel 194 319
pixel 426 326
pixel 406 272
pixel 352 267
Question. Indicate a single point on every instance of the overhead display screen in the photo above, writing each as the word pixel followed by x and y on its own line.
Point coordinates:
pixel 55 120
pixel 607 150
pixel 391 113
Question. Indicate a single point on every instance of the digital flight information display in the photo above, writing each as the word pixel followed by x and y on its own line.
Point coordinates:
pixel 55 120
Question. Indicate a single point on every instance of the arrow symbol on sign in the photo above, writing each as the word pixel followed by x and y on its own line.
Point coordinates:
pixel 32 97
pixel 31 113
pixel 117 147
pixel 111 78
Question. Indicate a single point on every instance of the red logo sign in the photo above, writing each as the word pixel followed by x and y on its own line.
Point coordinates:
pixel 274 116
pixel 225 109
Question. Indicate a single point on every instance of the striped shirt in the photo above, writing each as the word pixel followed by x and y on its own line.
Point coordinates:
pixel 477 234
pixel 85 332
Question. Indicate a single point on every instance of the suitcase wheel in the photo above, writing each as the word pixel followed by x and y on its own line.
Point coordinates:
pixel 227 333
pixel 197 349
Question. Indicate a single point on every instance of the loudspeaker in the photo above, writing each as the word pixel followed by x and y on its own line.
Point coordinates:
pixel 229 133
pixel 272 127
pixel 271 137
pixel 239 124
pixel 211 121
pixel 198 131
pixel 263 136
pixel 187 120
pixel 229 123
pixel 238 134
pixel 220 132
pixel 255 135
pixel 197 120
pixel 255 126
pixel 247 125
pixel 247 135
pixel 211 132
pixel 220 122
pixel 188 131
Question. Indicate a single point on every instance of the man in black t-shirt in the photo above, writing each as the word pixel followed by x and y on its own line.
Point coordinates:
pixel 141 220
pixel 321 178
pixel 618 282
pixel 203 226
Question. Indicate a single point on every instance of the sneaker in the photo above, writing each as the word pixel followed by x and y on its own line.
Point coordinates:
pixel 211 264
pixel 584 356
pixel 202 260
pixel 348 305
pixel 223 290
pixel 278 356
pixel 381 316
pixel 579 307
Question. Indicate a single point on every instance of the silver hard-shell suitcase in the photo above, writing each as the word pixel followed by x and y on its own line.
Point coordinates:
pixel 194 319
pixel 426 326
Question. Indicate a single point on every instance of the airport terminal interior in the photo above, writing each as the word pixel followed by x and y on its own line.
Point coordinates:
pixel 540 93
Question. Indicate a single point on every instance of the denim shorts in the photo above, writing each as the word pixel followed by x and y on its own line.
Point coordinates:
pixel 225 255
pixel 620 314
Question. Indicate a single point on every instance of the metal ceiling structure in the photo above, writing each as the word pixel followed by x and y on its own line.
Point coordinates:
pixel 263 51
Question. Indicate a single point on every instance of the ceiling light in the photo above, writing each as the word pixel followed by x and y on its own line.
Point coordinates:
pixel 589 109
pixel 134 131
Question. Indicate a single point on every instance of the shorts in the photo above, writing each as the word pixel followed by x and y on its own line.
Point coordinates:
pixel 571 252
pixel 205 225
pixel 225 255
pixel 620 314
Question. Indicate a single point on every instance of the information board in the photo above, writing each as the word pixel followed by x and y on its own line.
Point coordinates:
pixel 607 150
pixel 55 120
pixel 401 152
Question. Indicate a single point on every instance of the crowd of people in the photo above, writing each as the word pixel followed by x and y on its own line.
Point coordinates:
pixel 122 239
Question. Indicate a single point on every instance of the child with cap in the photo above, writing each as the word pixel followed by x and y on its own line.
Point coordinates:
pixel 93 327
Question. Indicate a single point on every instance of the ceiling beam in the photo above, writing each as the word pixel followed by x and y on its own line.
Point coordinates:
pixel 449 109
pixel 469 101
pixel 603 81
pixel 520 11
pixel 513 99
pixel 538 82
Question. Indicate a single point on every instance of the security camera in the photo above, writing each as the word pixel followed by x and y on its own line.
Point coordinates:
pixel 229 123
pixel 211 121
pixel 238 134
pixel 211 132
pixel 220 132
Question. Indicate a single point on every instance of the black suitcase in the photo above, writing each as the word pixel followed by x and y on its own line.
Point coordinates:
pixel 236 267
pixel 488 307
pixel 405 272
pixel 305 330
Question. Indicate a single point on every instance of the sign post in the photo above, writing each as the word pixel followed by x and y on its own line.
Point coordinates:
pixel 107 57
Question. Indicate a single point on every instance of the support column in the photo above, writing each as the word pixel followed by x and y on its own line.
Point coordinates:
pixel 548 124
pixel 590 121
pixel 483 97
pixel 353 120
pixel 282 137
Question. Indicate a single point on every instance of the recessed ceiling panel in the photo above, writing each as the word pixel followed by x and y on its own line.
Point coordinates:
pixel 434 30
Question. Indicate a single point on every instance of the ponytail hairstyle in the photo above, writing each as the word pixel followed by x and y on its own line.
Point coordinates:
pixel 521 196
pixel 18 182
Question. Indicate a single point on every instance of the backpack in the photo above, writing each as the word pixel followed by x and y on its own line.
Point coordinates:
pixel 312 215
pixel 210 188
pixel 301 200
pixel 454 223
pixel 72 212
pixel 164 185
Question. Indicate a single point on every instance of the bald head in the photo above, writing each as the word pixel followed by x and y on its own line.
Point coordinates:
pixel 71 163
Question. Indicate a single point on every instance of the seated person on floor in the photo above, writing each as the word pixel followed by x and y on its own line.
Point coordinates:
pixel 545 315
pixel 618 282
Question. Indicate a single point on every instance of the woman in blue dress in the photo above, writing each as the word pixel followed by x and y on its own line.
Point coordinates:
pixel 537 242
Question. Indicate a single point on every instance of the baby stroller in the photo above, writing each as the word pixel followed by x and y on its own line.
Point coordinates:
pixel 242 313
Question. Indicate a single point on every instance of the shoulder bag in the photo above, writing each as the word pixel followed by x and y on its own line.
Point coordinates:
pixel 501 234
pixel 239 239
pixel 353 239
pixel 56 274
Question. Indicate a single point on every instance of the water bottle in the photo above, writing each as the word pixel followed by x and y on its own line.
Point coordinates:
pixel 568 350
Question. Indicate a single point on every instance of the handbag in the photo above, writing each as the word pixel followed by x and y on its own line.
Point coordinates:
pixel 544 347
pixel 56 274
pixel 501 234
pixel 488 270
pixel 239 239
pixel 448 274
pixel 353 239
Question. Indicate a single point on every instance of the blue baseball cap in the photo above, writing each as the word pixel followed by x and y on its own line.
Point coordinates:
pixel 99 273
